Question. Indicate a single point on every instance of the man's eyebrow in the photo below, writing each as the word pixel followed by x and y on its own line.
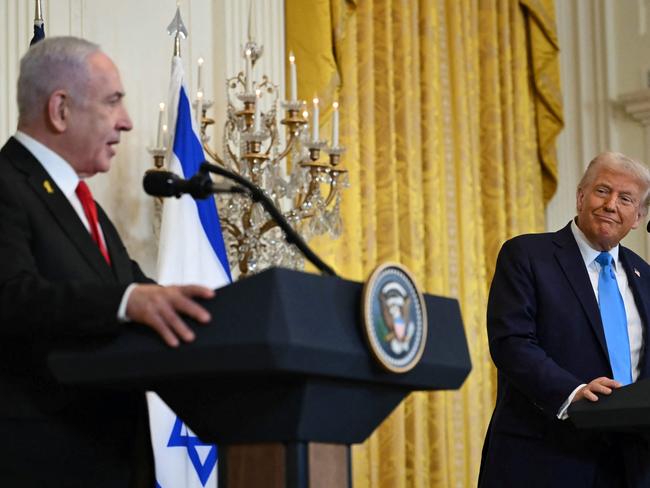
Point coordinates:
pixel 117 95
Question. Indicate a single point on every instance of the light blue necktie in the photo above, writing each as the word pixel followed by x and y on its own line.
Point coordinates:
pixel 612 313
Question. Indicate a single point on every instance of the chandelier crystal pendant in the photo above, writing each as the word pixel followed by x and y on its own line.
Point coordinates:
pixel 283 157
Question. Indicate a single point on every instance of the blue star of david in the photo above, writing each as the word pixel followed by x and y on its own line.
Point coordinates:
pixel 189 442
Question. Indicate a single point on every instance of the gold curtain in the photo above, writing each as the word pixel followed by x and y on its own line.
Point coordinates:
pixel 449 112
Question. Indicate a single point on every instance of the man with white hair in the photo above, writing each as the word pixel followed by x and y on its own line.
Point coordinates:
pixel 568 317
pixel 66 278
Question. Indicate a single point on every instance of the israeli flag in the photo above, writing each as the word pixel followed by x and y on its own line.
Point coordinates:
pixel 191 251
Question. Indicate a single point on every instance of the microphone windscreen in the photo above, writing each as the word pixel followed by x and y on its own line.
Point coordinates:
pixel 159 183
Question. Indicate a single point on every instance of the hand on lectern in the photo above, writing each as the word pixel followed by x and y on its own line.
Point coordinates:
pixel 159 307
pixel 599 386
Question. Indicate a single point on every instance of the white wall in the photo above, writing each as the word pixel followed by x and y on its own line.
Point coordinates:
pixel 134 34
pixel 605 48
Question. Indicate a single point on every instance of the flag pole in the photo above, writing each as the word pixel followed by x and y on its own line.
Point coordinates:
pixel 38 12
pixel 39 23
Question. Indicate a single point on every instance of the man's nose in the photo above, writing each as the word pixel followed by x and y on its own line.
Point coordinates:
pixel 610 203
pixel 124 121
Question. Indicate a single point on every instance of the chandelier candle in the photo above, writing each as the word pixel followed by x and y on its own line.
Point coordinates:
pixel 199 109
pixel 335 124
pixel 257 123
pixel 159 133
pixel 314 124
pixel 293 78
pixel 199 86
pixel 249 70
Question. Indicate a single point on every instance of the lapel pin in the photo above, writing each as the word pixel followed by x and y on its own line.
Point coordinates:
pixel 636 272
pixel 48 186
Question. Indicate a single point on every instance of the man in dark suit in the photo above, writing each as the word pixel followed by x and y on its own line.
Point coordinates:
pixel 66 279
pixel 554 342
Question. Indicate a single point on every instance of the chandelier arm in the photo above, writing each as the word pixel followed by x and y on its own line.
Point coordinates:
pixel 330 197
pixel 306 217
pixel 213 154
pixel 268 225
pixel 246 218
pixel 300 200
pixel 274 138
pixel 333 192
pixel 232 157
pixel 303 197
pixel 290 143
pixel 290 234
pixel 232 228
pixel 311 191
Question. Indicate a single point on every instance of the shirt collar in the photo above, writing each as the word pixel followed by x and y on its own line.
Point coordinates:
pixel 589 254
pixel 58 168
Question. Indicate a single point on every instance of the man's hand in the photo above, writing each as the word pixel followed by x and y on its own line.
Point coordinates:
pixel 599 386
pixel 159 307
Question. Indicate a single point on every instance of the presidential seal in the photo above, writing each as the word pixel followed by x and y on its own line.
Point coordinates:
pixel 394 317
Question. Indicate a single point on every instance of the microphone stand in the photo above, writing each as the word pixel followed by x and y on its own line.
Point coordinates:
pixel 257 195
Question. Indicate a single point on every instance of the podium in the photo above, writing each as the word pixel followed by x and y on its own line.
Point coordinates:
pixel 626 409
pixel 281 380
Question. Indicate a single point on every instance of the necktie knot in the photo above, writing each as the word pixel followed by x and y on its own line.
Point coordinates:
pixel 604 259
pixel 82 190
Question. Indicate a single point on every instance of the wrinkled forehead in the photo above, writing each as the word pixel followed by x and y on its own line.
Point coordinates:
pixel 103 74
pixel 616 177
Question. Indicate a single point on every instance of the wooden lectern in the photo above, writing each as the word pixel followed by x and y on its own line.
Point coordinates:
pixel 282 380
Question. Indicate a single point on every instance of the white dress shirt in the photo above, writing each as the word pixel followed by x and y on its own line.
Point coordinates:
pixel 634 324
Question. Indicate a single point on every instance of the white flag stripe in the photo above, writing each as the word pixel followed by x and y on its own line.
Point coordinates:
pixel 186 256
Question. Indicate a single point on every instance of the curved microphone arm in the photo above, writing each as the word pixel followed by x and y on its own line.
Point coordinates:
pixel 258 195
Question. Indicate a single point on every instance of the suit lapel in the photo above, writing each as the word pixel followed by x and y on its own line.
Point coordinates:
pixel 58 205
pixel 639 291
pixel 572 264
pixel 120 261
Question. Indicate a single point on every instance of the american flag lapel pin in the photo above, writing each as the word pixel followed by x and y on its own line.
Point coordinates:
pixel 636 272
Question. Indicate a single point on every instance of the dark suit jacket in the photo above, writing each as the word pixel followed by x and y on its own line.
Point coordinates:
pixel 546 338
pixel 57 289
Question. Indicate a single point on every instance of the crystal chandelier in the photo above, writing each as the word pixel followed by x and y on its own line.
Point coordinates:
pixel 283 157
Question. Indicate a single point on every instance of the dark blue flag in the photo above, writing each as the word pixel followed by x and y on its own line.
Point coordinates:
pixel 39 25
pixel 39 32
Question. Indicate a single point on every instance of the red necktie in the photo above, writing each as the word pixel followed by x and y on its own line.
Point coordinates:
pixel 88 204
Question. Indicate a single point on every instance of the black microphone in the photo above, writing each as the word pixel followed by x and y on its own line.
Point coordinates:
pixel 648 227
pixel 159 183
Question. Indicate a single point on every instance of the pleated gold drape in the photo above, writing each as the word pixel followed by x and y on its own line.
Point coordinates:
pixel 449 112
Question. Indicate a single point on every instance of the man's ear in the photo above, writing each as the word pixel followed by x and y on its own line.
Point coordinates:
pixel 58 110
pixel 580 196
pixel 640 216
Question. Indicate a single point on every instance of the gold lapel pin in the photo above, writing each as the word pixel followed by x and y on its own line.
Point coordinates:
pixel 48 186
pixel 636 272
